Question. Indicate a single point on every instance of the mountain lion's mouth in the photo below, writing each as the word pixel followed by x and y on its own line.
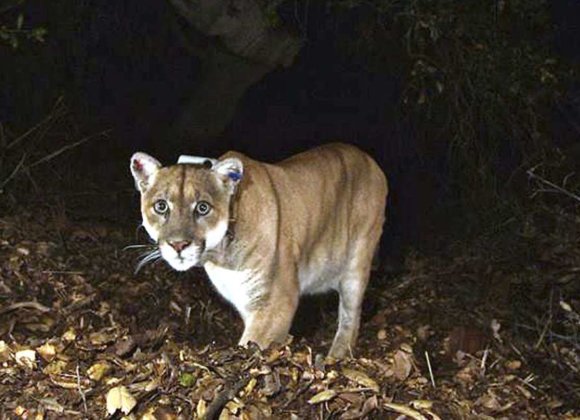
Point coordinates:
pixel 181 264
pixel 185 259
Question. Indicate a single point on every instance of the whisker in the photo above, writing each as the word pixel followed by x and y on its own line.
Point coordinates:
pixel 146 258
pixel 148 254
pixel 137 246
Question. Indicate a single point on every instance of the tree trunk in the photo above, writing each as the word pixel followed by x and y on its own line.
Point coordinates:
pixel 211 106
pixel 238 42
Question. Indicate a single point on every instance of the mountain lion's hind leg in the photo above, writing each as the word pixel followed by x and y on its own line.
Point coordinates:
pixel 351 292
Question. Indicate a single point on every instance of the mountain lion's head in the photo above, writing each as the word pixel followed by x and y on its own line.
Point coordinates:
pixel 185 207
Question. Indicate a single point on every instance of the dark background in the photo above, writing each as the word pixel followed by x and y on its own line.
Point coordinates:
pixel 124 66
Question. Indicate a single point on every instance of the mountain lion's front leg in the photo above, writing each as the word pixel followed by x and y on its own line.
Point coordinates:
pixel 271 321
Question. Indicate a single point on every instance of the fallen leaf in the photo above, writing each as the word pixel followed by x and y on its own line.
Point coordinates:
pixel 353 398
pixel 489 401
pixel 47 351
pixel 403 409
pixel 370 404
pixel 271 384
pixel 495 327
pixel 98 370
pixel 323 396
pixel 149 415
pixel 125 346
pixel 23 251
pixel 20 411
pixel 402 365
pixel 4 351
pixel 361 378
pixel 55 368
pixel 382 334
pixel 51 404
pixel 103 337
pixel 424 332
pixel 422 404
pixel 234 406
pixel 566 306
pixel 201 408
pixel 69 335
pixel 524 391
pixel 160 413
pixel 119 398
pixel 187 380
pixel 26 358
pixel 250 386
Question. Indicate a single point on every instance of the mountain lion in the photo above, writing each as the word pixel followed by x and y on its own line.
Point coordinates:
pixel 267 233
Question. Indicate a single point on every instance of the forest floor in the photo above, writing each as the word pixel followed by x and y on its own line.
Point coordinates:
pixel 479 330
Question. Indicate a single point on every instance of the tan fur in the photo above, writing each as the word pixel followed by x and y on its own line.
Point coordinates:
pixel 308 224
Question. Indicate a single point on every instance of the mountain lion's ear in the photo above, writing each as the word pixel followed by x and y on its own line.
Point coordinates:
pixel 230 171
pixel 143 167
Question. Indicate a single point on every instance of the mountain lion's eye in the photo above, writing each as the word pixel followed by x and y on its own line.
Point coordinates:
pixel 202 208
pixel 160 207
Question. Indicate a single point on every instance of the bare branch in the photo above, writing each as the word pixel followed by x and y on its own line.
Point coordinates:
pixel 552 187
pixel 13 173
pixel 56 112
pixel 65 148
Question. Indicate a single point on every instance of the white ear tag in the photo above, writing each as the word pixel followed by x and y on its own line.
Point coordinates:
pixel 196 160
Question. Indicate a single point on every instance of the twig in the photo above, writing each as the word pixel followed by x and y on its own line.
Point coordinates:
pixel 214 409
pixel 19 305
pixel 547 324
pixel 484 360
pixel 83 396
pixel 65 148
pixel 79 273
pixel 430 370
pixel 544 331
pixel 187 314
pixel 13 173
pixel 569 338
pixel 556 188
pixel 31 130
pixel 528 381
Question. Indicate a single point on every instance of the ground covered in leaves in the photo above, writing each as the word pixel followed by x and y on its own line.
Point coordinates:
pixel 485 330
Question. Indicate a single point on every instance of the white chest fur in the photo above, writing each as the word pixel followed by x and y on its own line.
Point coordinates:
pixel 237 287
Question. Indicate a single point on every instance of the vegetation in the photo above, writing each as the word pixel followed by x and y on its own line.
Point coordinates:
pixel 15 33
pixel 481 85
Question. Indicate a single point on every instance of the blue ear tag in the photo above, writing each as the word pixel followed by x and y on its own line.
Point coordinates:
pixel 235 176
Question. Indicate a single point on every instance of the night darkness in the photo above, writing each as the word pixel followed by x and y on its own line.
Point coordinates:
pixel 474 116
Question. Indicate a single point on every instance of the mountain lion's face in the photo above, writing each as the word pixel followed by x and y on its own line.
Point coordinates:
pixel 185 208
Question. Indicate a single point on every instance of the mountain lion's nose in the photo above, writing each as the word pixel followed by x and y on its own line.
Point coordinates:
pixel 179 245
